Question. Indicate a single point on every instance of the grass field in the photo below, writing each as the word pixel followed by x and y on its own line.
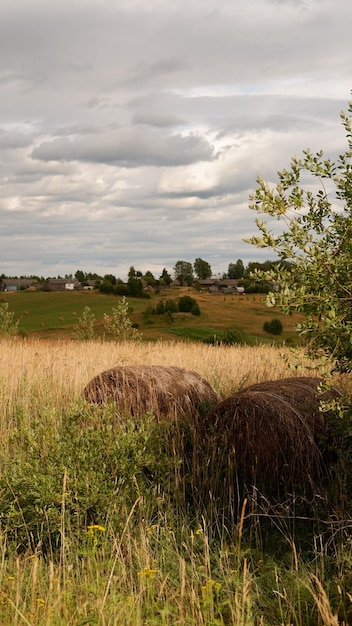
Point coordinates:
pixel 54 314
pixel 94 528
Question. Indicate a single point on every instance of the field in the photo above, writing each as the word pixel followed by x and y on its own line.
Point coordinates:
pixel 53 315
pixel 96 527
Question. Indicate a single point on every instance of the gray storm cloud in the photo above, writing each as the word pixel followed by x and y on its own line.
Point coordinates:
pixel 128 147
pixel 133 132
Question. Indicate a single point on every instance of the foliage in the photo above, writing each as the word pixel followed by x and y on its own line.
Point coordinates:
pixel 184 273
pixel 135 287
pixel 80 471
pixel 160 308
pixel 171 305
pixel 165 277
pixel 149 278
pixel 84 330
pixel 274 327
pixel 235 270
pixel 186 304
pixel 195 310
pixel 202 269
pixel 119 324
pixel 233 336
pixel 8 323
pixel 313 199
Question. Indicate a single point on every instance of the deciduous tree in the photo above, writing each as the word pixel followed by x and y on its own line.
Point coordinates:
pixel 313 202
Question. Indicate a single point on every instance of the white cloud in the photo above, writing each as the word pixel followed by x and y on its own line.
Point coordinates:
pixel 132 132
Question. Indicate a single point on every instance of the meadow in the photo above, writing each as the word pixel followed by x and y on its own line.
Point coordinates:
pixel 53 315
pixel 97 526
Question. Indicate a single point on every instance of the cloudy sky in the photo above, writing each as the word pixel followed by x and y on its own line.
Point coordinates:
pixel 132 131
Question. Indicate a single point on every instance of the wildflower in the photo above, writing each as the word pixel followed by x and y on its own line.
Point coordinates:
pixel 95 527
pixel 147 572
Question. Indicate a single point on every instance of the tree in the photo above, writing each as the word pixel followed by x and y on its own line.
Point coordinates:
pixel 202 269
pixel 313 199
pixel 8 323
pixel 165 277
pixel 149 278
pixel 135 287
pixel 236 270
pixel 119 324
pixel 84 330
pixel 184 273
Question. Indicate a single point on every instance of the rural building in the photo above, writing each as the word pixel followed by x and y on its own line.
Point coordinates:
pixel 15 284
pixel 62 284
pixel 225 285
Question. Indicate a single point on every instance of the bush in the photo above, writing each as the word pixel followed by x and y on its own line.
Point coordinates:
pixel 160 308
pixel 8 323
pixel 186 303
pixel 119 324
pixel 121 290
pixel 195 310
pixel 171 305
pixel 98 472
pixel 274 327
pixel 84 330
pixel 233 336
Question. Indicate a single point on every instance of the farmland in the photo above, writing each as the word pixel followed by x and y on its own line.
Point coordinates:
pixel 112 518
pixel 54 314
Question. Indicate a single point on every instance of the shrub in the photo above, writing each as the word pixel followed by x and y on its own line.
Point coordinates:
pixel 160 308
pixel 8 323
pixel 195 310
pixel 186 303
pixel 79 480
pixel 84 330
pixel 119 324
pixel 233 336
pixel 171 305
pixel 274 327
pixel 121 290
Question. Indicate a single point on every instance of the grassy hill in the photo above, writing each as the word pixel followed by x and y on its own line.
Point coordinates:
pixel 54 315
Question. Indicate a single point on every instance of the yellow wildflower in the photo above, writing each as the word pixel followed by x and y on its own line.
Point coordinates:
pixel 147 572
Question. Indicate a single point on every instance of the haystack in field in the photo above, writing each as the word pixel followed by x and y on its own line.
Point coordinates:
pixel 167 392
pixel 271 433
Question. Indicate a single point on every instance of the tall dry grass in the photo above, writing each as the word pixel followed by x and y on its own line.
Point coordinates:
pixel 150 568
pixel 67 366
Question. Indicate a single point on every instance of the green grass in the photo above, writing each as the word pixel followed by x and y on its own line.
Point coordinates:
pixel 54 314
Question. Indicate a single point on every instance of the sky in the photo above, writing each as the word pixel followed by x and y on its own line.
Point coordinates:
pixel 132 132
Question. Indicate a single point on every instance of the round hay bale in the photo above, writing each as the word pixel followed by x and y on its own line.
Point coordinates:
pixel 270 434
pixel 167 392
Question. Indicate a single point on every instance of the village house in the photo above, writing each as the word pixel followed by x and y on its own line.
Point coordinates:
pixel 16 284
pixel 62 284
pixel 217 286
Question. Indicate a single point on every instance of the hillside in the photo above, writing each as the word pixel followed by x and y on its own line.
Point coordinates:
pixel 54 315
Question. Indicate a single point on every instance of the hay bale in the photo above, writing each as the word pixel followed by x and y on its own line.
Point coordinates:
pixel 167 392
pixel 272 433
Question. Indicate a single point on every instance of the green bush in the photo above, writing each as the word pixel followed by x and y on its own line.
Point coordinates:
pixel 8 323
pixel 233 336
pixel 171 305
pixel 195 310
pixel 160 308
pixel 88 470
pixel 186 303
pixel 274 327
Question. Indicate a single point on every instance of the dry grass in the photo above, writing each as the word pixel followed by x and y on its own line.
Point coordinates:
pixel 167 392
pixel 272 433
pixel 68 366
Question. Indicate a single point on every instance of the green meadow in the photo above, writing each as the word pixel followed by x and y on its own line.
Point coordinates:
pixel 54 314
